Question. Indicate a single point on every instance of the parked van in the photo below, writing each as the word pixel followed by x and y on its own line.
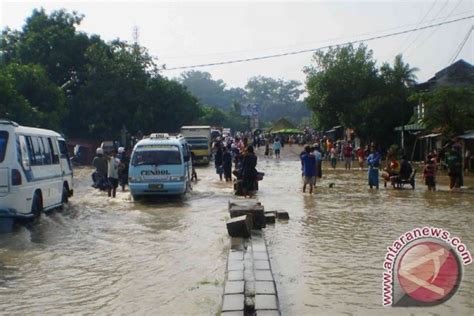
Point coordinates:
pixel 199 139
pixel 160 165
pixel 35 171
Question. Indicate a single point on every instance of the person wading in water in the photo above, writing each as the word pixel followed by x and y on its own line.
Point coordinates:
pixel 249 172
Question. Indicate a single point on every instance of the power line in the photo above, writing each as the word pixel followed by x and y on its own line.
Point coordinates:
pixel 311 43
pixel 409 36
pixel 434 30
pixel 461 46
pixel 319 48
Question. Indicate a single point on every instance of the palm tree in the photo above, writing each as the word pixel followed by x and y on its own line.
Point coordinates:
pixel 403 73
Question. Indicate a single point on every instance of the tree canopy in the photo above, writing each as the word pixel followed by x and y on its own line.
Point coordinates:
pixel 54 76
pixel 451 109
pixel 345 87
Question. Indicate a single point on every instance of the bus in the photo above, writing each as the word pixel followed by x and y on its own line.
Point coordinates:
pixel 160 165
pixel 35 171
pixel 199 139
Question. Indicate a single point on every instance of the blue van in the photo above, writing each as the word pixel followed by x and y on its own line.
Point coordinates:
pixel 160 165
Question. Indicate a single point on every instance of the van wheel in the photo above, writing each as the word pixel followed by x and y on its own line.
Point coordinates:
pixel 37 207
pixel 65 196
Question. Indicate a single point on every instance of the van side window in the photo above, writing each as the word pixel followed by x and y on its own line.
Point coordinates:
pixel 46 151
pixel 31 155
pixel 25 155
pixel 3 144
pixel 54 150
pixel 63 149
pixel 37 151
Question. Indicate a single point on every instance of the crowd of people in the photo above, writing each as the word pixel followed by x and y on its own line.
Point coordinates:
pixel 110 170
pixel 396 171
pixel 237 151
pixel 236 156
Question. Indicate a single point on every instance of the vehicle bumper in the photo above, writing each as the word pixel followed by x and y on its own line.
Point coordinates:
pixel 13 214
pixel 168 188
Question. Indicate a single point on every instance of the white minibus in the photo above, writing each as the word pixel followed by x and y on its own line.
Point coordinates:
pixel 160 165
pixel 35 171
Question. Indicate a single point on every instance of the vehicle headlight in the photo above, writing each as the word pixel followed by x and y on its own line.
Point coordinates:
pixel 134 179
pixel 177 178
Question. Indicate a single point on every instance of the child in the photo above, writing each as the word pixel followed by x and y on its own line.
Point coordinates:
pixel 429 173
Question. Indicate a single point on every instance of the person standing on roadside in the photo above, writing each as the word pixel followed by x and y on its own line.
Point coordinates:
pixel 218 160
pixel 249 172
pixel 348 156
pixel 319 161
pixel 429 173
pixel 309 169
pixel 277 148
pixel 99 177
pixel 227 164
pixel 454 162
pixel 333 157
pixel 360 153
pixel 113 174
pixel 373 162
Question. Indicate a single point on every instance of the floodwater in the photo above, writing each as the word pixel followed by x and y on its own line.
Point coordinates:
pixel 168 256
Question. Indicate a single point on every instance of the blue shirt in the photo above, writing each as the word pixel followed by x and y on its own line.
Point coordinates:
pixel 374 160
pixel 309 165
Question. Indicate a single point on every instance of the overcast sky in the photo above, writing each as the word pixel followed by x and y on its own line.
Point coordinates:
pixel 182 33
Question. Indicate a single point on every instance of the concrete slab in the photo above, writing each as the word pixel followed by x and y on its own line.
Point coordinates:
pixel 270 218
pixel 259 247
pixel 237 243
pixel 234 313
pixel 236 255
pixel 265 287
pixel 249 275
pixel 235 276
pixel 233 265
pixel 239 226
pixel 234 287
pixel 261 265
pixel 260 255
pixel 233 302
pixel 283 215
pixel 263 275
pixel 266 302
pixel 267 313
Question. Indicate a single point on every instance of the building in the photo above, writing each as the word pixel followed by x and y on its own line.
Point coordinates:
pixel 414 137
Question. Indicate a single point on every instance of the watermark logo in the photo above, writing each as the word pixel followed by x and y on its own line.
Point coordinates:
pixel 423 267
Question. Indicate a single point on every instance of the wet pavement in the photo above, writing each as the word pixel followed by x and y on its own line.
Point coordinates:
pixel 168 256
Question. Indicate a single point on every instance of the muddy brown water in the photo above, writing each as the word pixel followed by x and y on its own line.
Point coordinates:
pixel 168 256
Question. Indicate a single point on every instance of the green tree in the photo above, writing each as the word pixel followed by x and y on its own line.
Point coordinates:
pixel 339 80
pixel 449 108
pixel 51 41
pixel 207 90
pixel 277 98
pixel 32 98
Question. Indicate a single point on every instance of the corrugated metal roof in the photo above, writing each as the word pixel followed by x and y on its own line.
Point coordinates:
pixel 410 127
pixel 468 135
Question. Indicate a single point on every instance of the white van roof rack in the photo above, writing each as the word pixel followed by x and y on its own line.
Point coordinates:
pixel 8 122
pixel 160 135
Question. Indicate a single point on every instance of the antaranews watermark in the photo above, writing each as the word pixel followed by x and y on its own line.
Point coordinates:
pixel 423 267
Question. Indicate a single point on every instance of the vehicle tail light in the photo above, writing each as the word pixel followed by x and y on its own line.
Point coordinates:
pixel 16 177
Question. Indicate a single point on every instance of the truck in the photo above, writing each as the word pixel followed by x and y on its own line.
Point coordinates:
pixel 199 139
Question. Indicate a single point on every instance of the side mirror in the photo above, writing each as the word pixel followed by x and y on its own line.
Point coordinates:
pixel 186 158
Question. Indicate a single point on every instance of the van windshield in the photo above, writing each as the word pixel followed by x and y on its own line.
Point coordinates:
pixel 3 144
pixel 156 155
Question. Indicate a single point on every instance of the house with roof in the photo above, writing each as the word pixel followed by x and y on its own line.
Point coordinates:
pixel 415 137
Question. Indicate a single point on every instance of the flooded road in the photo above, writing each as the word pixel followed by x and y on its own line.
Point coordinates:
pixel 167 257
